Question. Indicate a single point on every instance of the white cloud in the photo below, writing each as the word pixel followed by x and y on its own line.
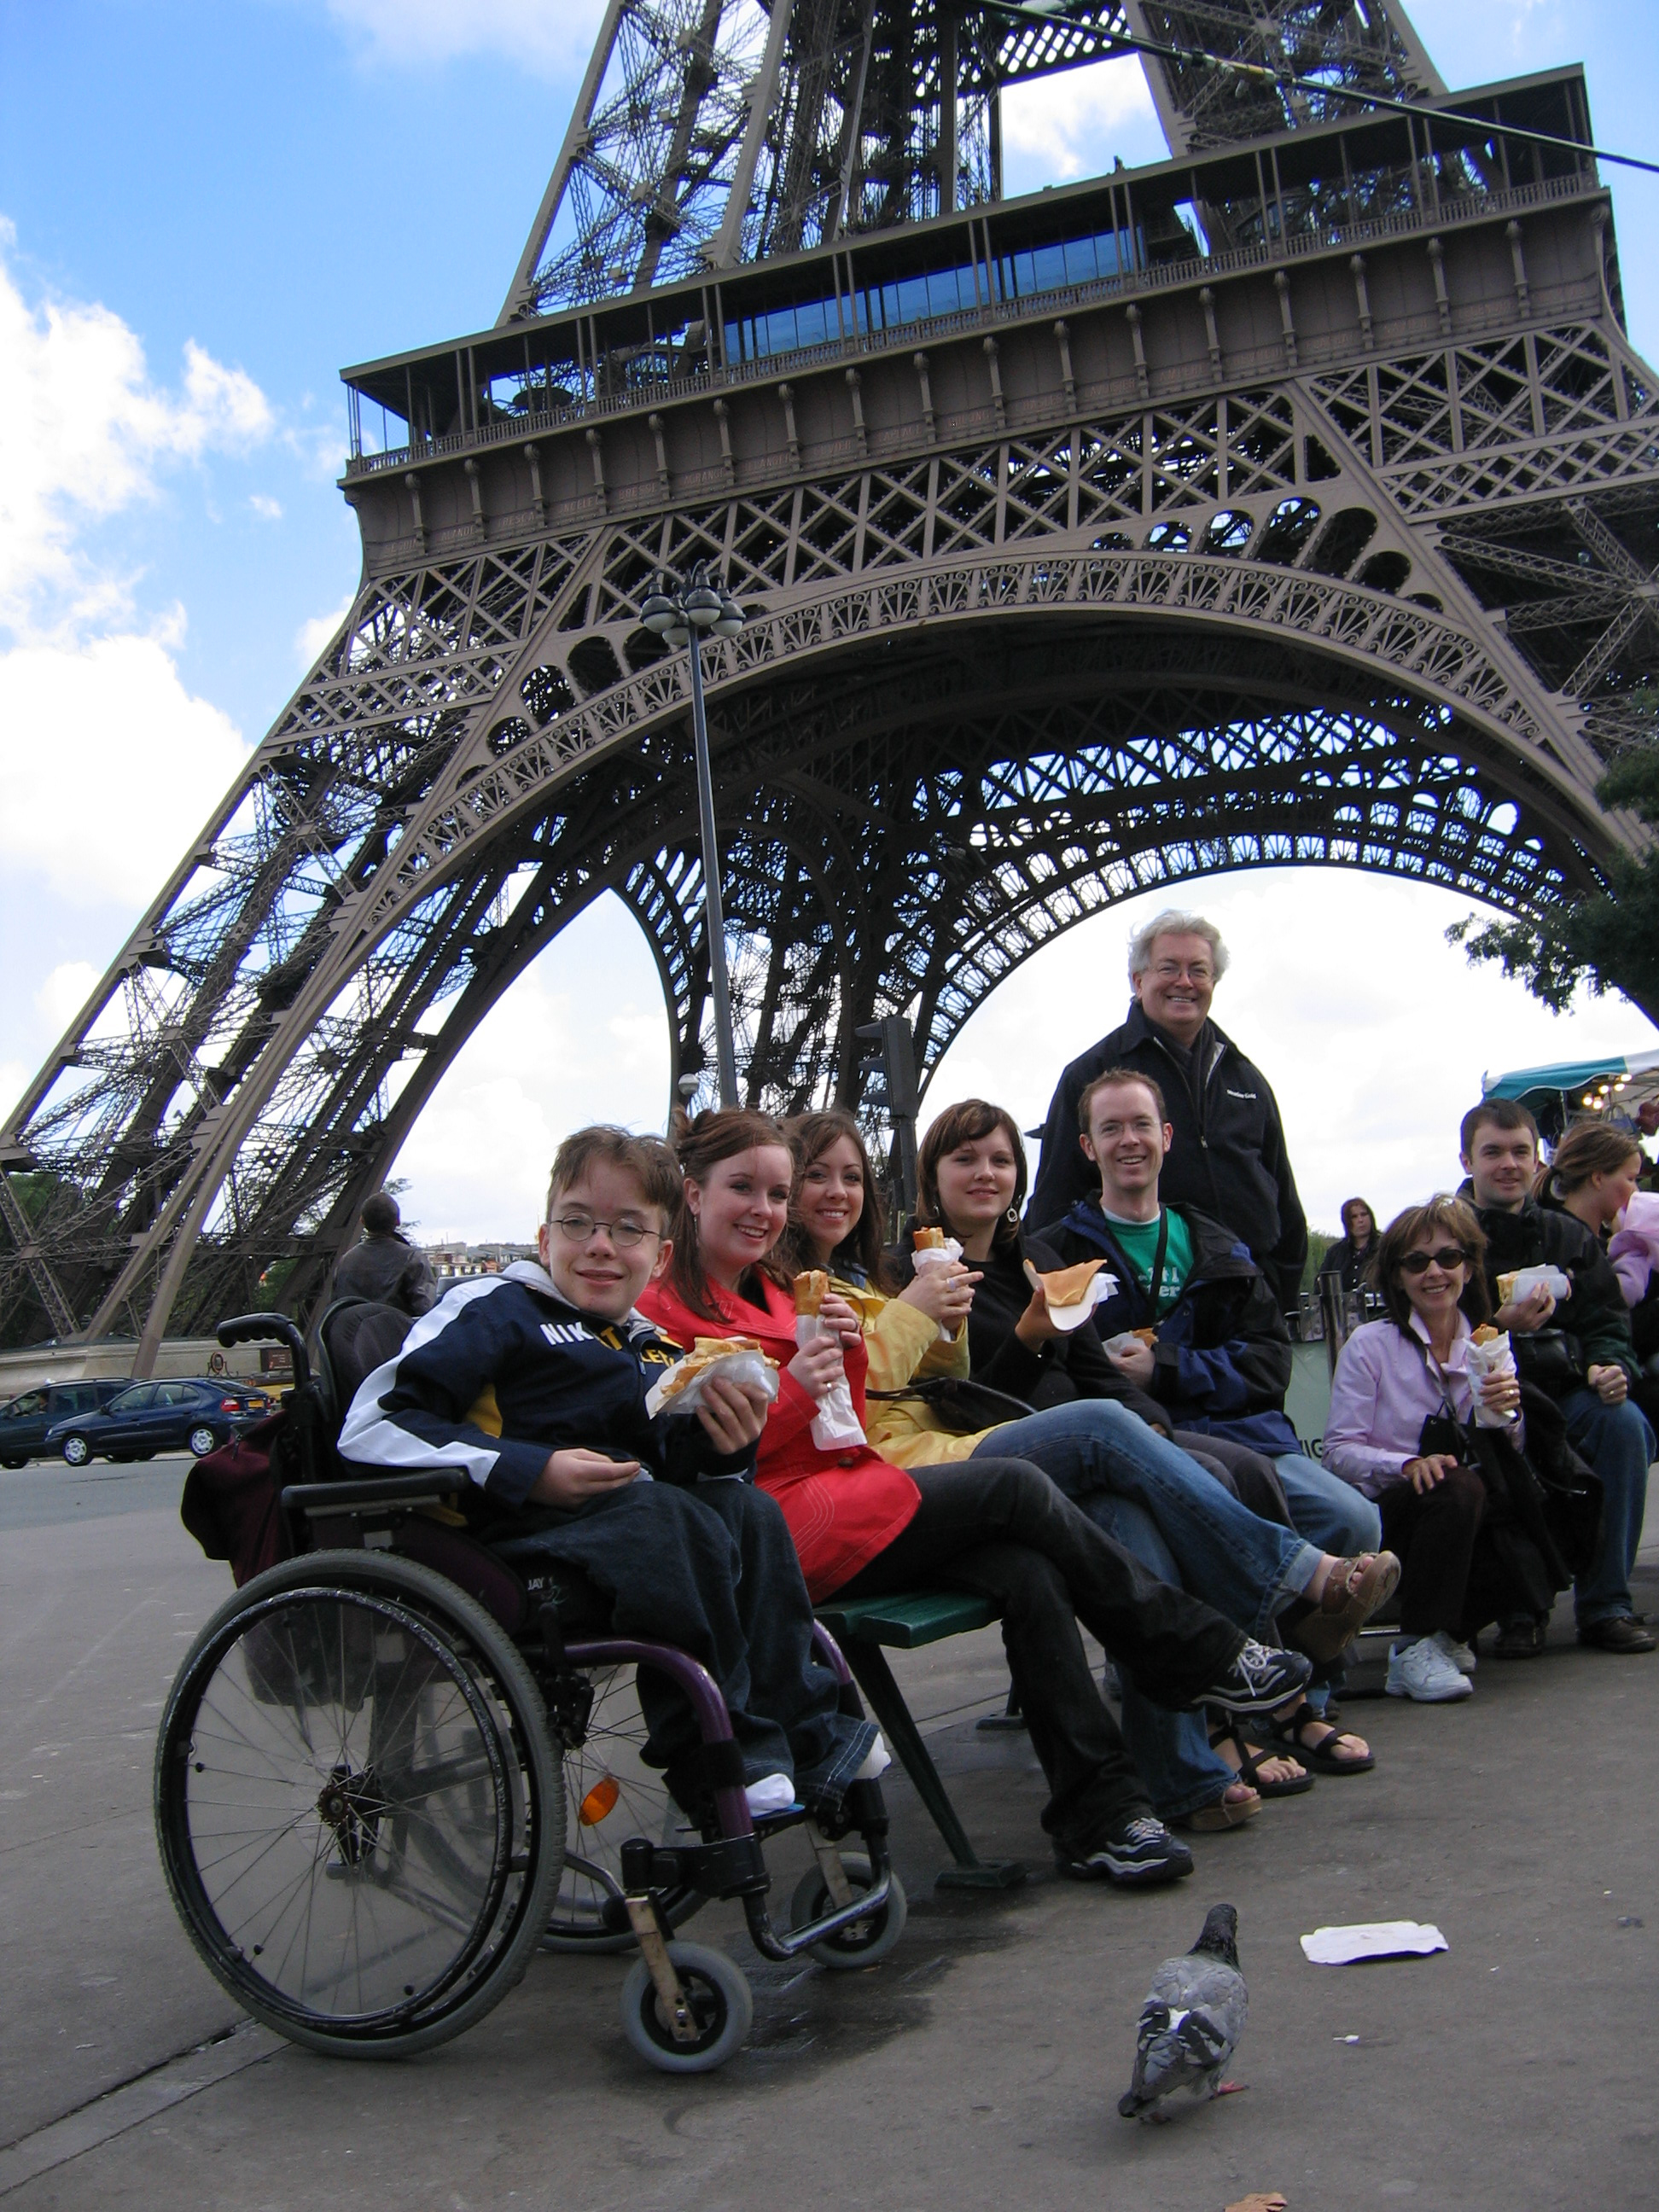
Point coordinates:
pixel 267 509
pixel 1373 1031
pixel 85 433
pixel 581 1036
pixel 63 994
pixel 1071 125
pixel 311 637
pixel 108 766
pixel 405 33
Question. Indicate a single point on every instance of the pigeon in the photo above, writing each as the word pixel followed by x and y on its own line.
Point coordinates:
pixel 1191 2021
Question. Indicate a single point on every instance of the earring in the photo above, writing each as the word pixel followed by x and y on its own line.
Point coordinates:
pixel 1013 1216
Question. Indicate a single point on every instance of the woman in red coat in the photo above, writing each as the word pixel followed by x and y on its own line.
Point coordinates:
pixel 997 1527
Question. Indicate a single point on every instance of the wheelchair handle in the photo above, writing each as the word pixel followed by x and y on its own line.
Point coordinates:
pixel 268 1328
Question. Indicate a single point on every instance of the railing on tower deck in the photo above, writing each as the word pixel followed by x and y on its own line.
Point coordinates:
pixel 1199 268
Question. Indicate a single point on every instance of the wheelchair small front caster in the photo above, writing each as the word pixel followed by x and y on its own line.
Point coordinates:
pixel 717 1996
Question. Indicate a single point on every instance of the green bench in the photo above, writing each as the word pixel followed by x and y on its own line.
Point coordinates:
pixel 861 1627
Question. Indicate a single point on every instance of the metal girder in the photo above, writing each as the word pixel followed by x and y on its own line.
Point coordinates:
pixel 1043 609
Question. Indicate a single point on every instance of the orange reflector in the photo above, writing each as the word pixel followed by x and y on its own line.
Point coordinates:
pixel 600 1800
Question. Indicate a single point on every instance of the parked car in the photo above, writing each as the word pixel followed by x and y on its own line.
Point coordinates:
pixel 147 1418
pixel 25 1419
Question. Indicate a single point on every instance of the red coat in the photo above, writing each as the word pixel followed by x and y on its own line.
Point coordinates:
pixel 842 1507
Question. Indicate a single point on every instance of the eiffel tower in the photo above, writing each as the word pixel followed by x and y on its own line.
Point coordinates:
pixel 1291 500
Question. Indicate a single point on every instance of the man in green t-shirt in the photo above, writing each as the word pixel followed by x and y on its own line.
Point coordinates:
pixel 1191 1318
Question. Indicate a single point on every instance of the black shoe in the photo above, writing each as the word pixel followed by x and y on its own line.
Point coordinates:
pixel 1259 1680
pixel 1618 1634
pixel 1139 1854
pixel 1520 1638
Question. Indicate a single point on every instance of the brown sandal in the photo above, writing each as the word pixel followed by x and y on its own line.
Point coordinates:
pixel 1209 1819
pixel 1356 1589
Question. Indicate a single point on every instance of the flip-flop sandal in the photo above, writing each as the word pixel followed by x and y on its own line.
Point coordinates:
pixel 1250 1763
pixel 1355 1588
pixel 1288 1734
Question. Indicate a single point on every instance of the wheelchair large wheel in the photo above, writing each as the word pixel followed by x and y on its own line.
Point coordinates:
pixel 611 1796
pixel 361 1817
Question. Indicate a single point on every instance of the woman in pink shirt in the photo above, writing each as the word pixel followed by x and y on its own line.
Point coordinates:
pixel 1392 1377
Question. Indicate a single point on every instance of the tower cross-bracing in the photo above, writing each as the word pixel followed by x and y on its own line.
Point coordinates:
pixel 1295 499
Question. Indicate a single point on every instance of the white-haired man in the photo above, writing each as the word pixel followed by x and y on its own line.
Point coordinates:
pixel 1228 1158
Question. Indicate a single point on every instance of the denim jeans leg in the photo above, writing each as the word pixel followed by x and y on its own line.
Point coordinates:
pixel 1618 1445
pixel 1329 1511
pixel 1171 1750
pixel 1095 1450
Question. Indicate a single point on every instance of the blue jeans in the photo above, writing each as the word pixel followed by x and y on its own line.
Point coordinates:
pixel 1098 1451
pixel 1171 1751
pixel 1329 1511
pixel 1618 1443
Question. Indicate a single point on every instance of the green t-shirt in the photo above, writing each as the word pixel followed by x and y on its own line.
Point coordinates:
pixel 1138 1241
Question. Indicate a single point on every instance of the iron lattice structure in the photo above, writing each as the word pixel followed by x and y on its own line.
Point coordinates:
pixel 1294 499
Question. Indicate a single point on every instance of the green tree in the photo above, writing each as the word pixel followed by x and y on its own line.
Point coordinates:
pixel 1611 937
pixel 1319 1243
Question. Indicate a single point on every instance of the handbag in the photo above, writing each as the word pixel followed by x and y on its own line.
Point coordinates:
pixel 961 1406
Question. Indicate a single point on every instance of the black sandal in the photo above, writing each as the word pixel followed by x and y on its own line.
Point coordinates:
pixel 1288 1734
pixel 1250 1762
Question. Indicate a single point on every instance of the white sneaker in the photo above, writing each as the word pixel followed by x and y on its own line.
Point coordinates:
pixel 1462 1657
pixel 1425 1672
pixel 876 1760
pixel 773 1793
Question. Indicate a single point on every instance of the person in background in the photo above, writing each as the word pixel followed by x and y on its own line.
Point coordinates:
pixel 1577 1351
pixel 385 1266
pixel 1351 1257
pixel 1228 1158
pixel 1392 1378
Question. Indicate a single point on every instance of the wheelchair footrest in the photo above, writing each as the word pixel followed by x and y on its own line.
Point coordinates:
pixel 729 1867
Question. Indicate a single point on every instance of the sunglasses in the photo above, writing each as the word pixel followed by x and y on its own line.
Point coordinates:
pixel 1447 1257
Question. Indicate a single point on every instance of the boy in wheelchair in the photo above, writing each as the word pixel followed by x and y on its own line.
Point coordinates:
pixel 533 1383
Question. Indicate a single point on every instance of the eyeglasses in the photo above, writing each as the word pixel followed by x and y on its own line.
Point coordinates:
pixel 578 1228
pixel 1195 971
pixel 1447 1257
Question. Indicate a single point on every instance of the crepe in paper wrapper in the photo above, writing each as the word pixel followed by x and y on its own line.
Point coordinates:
pixel 1490 1353
pixel 931 1247
pixel 735 1359
pixel 1520 1283
pixel 1073 1293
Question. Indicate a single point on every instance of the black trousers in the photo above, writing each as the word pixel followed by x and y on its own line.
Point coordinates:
pixel 1000 1528
pixel 1433 1536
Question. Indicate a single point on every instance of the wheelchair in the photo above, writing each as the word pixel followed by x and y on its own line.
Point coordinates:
pixel 391 1770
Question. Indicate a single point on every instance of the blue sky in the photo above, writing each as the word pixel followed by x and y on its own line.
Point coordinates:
pixel 206 208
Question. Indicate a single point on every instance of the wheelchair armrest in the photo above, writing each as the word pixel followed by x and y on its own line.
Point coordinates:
pixel 421 1488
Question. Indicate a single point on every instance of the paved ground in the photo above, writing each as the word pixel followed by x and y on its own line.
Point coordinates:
pixel 978 2066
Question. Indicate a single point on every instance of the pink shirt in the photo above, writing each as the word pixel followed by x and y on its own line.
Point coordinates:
pixel 1385 1387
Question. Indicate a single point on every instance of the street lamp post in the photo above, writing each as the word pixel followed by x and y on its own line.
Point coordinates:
pixel 678 618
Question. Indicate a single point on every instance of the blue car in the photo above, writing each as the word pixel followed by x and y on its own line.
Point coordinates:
pixel 25 1419
pixel 147 1418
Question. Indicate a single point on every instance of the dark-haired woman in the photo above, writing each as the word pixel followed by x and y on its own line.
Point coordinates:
pixel 1395 1382
pixel 998 1528
pixel 972 1173
pixel 1351 1258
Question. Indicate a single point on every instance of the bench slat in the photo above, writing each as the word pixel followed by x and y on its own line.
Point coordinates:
pixel 907 1621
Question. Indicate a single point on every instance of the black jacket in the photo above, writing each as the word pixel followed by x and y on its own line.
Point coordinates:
pixel 1592 1328
pixel 502 1373
pixel 1351 1261
pixel 1228 1158
pixel 1222 1354
pixel 389 1271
